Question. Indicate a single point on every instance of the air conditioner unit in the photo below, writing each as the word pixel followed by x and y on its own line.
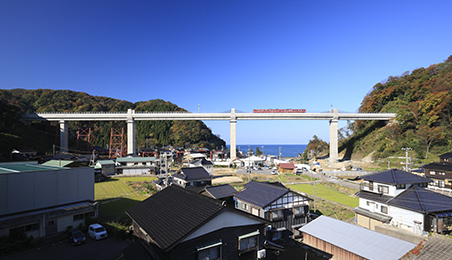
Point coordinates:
pixel 261 254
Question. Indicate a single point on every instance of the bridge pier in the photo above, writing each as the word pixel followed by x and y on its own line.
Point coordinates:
pixel 233 123
pixel 130 132
pixel 334 154
pixel 64 143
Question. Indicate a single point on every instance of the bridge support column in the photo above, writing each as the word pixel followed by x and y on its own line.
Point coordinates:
pixel 334 154
pixel 64 143
pixel 233 123
pixel 130 132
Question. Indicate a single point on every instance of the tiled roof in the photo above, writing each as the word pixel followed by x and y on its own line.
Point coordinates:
pixel 373 196
pixel 173 213
pixel 193 173
pixel 422 200
pixel 287 165
pixel 361 241
pixel 221 191
pixel 446 155
pixel 439 166
pixel 395 176
pixel 434 247
pixel 261 193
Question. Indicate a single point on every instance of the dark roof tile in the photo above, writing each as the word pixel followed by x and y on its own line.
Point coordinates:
pixel 221 191
pixel 173 213
pixel 422 200
pixel 193 173
pixel 261 193
pixel 396 176
pixel 439 166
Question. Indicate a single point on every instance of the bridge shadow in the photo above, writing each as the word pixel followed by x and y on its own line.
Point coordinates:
pixel 349 144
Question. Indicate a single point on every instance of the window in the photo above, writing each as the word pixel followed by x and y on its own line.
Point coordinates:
pixel 245 206
pixel 441 184
pixel 248 243
pixel 255 211
pixel 371 185
pixel 432 172
pixel 384 209
pixel 209 254
pixel 383 189
pixel 422 185
pixel 277 214
pixel 78 217
pixel 401 186
pixel 368 203
pixel 298 210
pixel 276 235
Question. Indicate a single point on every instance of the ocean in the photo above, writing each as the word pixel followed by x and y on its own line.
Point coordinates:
pixel 287 150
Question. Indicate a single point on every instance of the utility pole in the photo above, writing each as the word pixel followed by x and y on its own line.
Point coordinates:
pixel 249 163
pixel 407 164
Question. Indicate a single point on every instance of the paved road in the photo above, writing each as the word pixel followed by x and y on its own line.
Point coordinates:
pixel 266 171
pixel 107 249
pixel 263 171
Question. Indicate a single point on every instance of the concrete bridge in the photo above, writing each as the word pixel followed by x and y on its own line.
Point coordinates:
pixel 131 116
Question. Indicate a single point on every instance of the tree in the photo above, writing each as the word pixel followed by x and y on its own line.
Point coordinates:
pixel 258 152
pixel 430 135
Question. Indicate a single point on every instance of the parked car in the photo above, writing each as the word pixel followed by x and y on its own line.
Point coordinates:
pixel 76 237
pixel 97 231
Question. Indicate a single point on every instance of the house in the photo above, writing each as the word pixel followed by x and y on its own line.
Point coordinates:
pixel 192 177
pixel 433 247
pixel 440 173
pixel 286 168
pixel 130 165
pixel 287 210
pixel 44 200
pixel 106 167
pixel 447 158
pixel 401 199
pixel 223 192
pixel 193 156
pixel 207 165
pixel 63 163
pixel 347 241
pixel 28 153
pixel 194 226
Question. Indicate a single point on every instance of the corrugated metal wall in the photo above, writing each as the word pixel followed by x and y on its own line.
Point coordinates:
pixel 35 190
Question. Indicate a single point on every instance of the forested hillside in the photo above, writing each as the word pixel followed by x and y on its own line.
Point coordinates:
pixel 422 100
pixel 42 135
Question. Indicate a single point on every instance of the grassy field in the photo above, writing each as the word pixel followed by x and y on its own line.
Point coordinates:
pixel 328 193
pixel 116 195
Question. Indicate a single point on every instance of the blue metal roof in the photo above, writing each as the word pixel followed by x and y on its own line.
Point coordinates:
pixel 361 241
pixel 396 176
pixel 261 193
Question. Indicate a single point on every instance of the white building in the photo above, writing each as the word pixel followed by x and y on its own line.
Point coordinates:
pixel 401 199
pixel 44 200
pixel 130 165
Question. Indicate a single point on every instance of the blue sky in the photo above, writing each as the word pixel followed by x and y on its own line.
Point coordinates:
pixel 223 54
